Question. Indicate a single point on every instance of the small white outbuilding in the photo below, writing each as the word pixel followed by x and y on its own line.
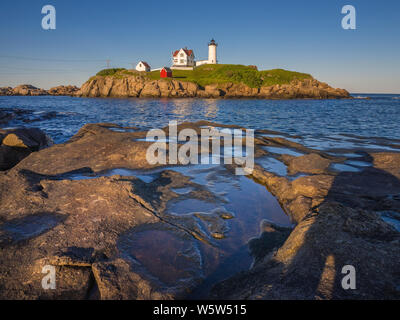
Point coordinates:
pixel 143 66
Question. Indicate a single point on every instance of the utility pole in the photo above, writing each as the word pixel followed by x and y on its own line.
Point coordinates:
pixel 133 65
pixel 108 63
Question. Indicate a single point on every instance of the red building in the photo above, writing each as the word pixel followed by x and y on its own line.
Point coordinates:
pixel 166 73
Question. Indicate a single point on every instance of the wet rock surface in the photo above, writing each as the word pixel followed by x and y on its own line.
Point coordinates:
pixel 116 227
pixel 310 163
pixel 342 218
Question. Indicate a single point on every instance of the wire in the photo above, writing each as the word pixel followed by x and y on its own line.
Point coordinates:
pixel 55 60
pixel 42 70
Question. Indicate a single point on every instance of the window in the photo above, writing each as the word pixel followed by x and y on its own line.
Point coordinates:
pixel 181 55
pixel 182 61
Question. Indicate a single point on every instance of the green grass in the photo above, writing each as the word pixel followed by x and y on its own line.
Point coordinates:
pixel 109 72
pixel 218 74
pixel 222 73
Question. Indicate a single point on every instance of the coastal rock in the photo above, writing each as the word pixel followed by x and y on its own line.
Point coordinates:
pixel 189 88
pixel 72 206
pixel 16 144
pixel 341 219
pixel 6 91
pixel 63 91
pixel 310 163
pixel 9 157
pixel 303 89
pixel 31 138
pixel 28 90
pixel 238 90
pixel 272 237
pixel 92 216
pixel 138 86
pixel 309 264
pixel 212 91
pixel 387 161
pixel 66 207
pixel 175 88
pixel 151 89
pixel 113 279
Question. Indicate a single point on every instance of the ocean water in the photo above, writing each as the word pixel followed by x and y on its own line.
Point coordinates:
pixel 61 117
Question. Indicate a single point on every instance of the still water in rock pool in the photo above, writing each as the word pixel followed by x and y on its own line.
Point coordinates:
pixel 206 237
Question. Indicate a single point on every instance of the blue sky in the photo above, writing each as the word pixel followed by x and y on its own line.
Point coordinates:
pixel 297 35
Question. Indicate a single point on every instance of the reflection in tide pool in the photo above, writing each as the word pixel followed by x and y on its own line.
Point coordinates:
pixel 358 163
pixel 344 167
pixel 228 221
pixel 248 201
pixel 283 150
pixel 191 205
pixel 172 257
pixel 272 165
pixel 165 253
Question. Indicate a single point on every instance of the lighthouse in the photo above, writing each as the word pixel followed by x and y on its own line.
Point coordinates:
pixel 212 52
pixel 184 58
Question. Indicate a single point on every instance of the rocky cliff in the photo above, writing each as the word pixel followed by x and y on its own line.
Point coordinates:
pixel 137 86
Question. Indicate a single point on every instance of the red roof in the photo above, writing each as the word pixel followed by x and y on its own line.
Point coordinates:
pixel 187 51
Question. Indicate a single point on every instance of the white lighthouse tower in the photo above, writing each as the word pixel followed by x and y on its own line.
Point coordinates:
pixel 212 52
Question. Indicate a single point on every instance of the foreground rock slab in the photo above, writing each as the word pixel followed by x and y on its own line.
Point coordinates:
pixel 66 206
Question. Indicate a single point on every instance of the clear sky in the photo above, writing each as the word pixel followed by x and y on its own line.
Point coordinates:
pixel 303 36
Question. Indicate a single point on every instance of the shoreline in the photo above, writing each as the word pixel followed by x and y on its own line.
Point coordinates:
pixel 139 87
pixel 181 98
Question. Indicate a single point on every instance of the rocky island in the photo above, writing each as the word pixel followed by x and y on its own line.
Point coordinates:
pixel 29 90
pixel 207 81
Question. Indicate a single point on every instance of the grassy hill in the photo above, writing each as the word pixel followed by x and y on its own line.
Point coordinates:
pixel 220 73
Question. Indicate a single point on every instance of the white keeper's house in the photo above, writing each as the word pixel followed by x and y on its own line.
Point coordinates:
pixel 143 66
pixel 184 58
